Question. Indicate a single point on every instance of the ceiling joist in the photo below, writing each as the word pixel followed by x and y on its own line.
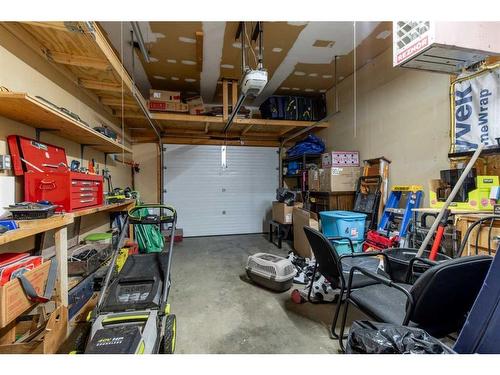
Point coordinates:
pixel 75 60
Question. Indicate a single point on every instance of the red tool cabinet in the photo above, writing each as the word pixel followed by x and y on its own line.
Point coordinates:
pixel 47 176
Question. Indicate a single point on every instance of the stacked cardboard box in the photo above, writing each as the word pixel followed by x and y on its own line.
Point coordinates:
pixel 166 101
pixel 196 106
pixel 282 213
pixel 337 179
pixel 303 218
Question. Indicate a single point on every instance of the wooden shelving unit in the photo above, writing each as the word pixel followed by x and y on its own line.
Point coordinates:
pixel 125 206
pixel 33 112
pixel 28 228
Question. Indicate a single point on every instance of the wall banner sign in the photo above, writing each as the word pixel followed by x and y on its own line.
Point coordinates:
pixel 475 106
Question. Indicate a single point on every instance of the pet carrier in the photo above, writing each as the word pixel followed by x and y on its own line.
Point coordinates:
pixel 271 271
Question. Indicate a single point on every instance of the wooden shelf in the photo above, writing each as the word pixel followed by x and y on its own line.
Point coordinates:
pixel 33 112
pixel 28 228
pixel 129 203
pixel 198 119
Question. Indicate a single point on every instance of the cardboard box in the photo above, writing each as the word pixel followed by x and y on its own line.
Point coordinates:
pixel 339 179
pixel 161 106
pixel 283 213
pixel 313 177
pixel 196 106
pixel 340 159
pixel 165 96
pixel 13 300
pixel 302 218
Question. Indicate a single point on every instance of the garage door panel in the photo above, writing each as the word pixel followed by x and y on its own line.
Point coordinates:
pixel 212 200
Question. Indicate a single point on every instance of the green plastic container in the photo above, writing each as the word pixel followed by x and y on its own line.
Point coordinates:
pixel 103 238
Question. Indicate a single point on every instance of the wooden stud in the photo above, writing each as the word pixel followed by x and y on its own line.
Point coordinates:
pixel 225 104
pixel 61 243
pixel 199 50
pixel 76 60
pixel 234 87
pixel 100 85
pixel 58 26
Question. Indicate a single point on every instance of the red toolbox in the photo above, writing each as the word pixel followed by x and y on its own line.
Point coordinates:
pixel 47 176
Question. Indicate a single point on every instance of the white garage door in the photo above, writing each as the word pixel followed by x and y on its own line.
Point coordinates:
pixel 213 199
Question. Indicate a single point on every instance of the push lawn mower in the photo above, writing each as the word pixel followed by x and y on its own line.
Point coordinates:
pixel 132 315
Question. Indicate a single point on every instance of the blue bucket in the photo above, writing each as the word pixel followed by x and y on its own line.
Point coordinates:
pixel 343 224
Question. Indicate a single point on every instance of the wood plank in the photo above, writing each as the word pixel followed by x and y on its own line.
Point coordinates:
pixel 225 104
pixel 117 102
pixel 208 141
pixel 100 85
pixel 59 26
pixel 199 51
pixel 28 228
pixel 177 117
pixel 234 90
pixel 33 112
pixel 61 244
pixel 76 60
pixel 125 206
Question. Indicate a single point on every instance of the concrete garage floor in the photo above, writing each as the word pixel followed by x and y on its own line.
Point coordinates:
pixel 219 311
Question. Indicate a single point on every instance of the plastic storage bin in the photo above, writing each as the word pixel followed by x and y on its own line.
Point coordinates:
pixel 343 247
pixel 343 224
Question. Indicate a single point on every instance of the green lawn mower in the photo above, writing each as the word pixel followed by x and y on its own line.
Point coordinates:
pixel 132 315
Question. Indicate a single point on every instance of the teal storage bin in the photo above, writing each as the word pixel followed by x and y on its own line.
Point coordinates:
pixel 343 224
pixel 342 246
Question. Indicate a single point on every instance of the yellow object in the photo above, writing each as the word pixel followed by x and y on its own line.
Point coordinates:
pixel 478 199
pixel 89 315
pixel 167 309
pixel 412 188
pixel 140 350
pixel 174 328
pixel 121 259
pixel 125 318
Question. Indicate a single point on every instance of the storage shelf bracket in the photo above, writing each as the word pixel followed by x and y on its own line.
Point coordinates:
pixel 38 132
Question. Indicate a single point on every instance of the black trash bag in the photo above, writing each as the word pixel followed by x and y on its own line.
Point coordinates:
pixel 366 337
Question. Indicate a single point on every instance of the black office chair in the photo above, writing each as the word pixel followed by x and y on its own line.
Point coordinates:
pixel 336 268
pixel 437 302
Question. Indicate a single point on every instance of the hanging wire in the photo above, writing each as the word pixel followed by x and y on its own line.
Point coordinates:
pixel 123 92
pixel 355 80
pixel 250 44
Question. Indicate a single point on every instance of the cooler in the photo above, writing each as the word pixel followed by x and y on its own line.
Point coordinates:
pixel 47 176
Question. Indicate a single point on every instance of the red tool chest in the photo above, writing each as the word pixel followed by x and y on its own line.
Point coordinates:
pixel 47 176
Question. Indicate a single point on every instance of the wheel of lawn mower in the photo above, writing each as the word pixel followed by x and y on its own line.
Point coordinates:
pixel 168 340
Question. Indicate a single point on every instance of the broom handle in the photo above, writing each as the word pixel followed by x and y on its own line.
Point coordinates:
pixel 450 199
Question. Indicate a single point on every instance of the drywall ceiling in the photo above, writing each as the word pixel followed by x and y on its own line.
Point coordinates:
pixel 299 56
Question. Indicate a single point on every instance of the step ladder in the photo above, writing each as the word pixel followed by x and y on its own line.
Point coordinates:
pixel 393 210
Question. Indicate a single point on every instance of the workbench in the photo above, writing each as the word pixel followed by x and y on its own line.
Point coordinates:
pixel 59 223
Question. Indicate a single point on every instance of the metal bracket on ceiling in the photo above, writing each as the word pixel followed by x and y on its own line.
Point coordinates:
pixel 74 27
pixel 38 132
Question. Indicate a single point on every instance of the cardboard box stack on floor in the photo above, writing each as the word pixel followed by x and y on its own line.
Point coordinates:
pixel 282 213
pixel 302 218
pixel 166 101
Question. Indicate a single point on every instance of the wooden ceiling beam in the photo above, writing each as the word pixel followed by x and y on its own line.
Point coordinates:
pixel 199 50
pixel 76 60
pixel 208 141
pixel 117 102
pixel 59 26
pixel 130 115
pixel 100 85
